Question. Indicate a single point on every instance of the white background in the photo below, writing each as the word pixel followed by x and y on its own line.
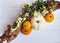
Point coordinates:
pixel 9 11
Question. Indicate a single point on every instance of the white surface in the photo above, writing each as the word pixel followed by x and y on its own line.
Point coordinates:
pixel 9 11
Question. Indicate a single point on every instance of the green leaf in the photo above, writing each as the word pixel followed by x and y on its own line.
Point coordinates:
pixel 42 8
pixel 37 5
pixel 41 0
pixel 14 25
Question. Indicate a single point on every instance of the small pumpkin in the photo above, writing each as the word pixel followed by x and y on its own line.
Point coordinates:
pixel 49 17
pixel 26 24
pixel 26 27
pixel 37 20
pixel 26 31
